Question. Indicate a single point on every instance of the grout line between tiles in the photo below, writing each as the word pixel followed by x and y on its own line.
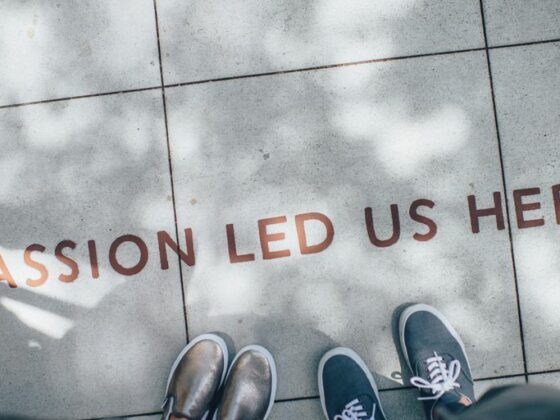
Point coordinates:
pixel 162 87
pixel 69 98
pixel 325 67
pixel 409 387
pixel 272 73
pixel 506 199
pixel 316 397
pixel 524 44
pixel 154 413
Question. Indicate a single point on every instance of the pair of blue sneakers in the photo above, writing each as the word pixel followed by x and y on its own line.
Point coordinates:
pixel 434 354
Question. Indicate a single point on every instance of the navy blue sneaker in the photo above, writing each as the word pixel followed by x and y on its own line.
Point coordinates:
pixel 346 387
pixel 436 357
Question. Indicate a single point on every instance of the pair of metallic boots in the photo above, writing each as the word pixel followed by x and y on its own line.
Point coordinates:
pixel 203 385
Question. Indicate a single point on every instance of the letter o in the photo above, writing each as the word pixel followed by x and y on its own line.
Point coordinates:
pixel 135 269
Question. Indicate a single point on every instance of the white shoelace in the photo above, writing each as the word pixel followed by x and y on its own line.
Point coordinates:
pixel 442 378
pixel 355 411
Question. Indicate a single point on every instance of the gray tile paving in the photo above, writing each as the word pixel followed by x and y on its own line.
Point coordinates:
pixel 90 169
pixel 397 404
pixel 481 387
pixel 517 21
pixel 552 379
pixel 337 141
pixel 303 409
pixel 526 83
pixel 221 38
pixel 331 141
pixel 400 404
pixel 59 49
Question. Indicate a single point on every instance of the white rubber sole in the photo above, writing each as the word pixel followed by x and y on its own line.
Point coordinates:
pixel 421 307
pixel 212 337
pixel 273 372
pixel 344 351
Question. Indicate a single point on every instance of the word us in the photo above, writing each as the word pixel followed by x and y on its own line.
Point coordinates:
pixel 416 211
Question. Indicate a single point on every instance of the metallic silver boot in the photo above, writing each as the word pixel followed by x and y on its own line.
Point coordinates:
pixel 196 375
pixel 250 386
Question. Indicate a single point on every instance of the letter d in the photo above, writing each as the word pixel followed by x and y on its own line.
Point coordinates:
pixel 302 238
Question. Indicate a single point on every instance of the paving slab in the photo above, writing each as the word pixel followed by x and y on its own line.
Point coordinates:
pixel 517 21
pixel 336 142
pixel 91 346
pixel 401 404
pixel 397 404
pixel 552 379
pixel 60 49
pixel 481 387
pixel 224 38
pixel 526 83
pixel 302 409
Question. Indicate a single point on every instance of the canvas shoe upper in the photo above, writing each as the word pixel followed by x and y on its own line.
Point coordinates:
pixel 436 356
pixel 347 388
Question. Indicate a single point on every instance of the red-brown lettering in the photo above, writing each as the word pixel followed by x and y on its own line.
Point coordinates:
pixel 44 274
pixel 383 243
pixel 556 198
pixel 5 274
pixel 234 257
pixel 302 238
pixel 94 264
pixel 521 207
pixel 165 240
pixel 266 238
pixel 135 269
pixel 432 227
pixel 475 213
pixel 75 271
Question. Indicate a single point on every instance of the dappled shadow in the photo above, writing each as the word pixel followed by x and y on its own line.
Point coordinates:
pixel 88 169
pixel 334 141
pixel 58 49
pixel 337 141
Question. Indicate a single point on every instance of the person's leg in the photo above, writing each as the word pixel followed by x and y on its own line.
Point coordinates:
pixel 436 356
pixel 347 388
pixel 523 402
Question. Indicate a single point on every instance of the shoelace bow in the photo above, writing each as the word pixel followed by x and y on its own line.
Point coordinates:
pixel 355 411
pixel 441 377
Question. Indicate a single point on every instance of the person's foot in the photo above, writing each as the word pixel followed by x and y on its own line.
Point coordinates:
pixel 250 386
pixel 195 377
pixel 347 388
pixel 436 357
